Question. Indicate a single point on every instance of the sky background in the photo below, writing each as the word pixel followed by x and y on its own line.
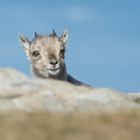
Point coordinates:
pixel 104 37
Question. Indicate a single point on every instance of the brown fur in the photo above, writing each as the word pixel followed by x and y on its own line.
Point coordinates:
pixel 46 55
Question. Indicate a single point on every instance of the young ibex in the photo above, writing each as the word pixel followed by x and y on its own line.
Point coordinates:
pixel 46 55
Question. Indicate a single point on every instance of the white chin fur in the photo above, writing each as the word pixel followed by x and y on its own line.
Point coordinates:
pixel 51 72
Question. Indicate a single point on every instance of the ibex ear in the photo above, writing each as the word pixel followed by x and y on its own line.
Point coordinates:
pixel 25 43
pixel 64 37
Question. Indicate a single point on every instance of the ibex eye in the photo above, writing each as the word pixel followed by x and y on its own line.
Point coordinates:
pixel 35 53
pixel 62 51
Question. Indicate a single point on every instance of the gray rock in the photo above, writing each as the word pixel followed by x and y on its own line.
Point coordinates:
pixel 18 92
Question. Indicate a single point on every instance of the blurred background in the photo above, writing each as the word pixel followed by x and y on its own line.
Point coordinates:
pixel 104 37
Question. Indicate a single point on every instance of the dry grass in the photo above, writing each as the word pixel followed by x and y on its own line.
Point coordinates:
pixel 80 126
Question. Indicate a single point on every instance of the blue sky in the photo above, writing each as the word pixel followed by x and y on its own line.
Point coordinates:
pixel 104 37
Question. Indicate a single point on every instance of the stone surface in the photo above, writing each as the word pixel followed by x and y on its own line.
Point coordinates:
pixel 18 92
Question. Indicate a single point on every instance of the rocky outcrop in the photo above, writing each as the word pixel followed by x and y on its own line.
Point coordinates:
pixel 18 92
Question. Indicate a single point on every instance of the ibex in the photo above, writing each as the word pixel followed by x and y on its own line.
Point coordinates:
pixel 46 54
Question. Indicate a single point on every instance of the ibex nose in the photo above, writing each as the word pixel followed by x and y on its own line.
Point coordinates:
pixel 54 62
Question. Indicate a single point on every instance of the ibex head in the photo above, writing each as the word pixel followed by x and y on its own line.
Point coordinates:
pixel 46 52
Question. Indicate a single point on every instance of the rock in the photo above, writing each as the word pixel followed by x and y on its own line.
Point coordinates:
pixel 18 92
